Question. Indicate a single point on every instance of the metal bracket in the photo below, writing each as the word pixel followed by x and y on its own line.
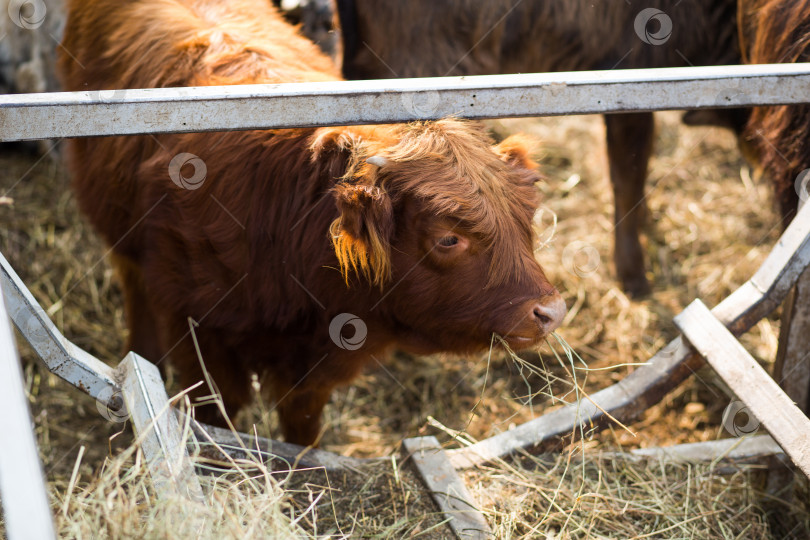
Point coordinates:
pixel 63 358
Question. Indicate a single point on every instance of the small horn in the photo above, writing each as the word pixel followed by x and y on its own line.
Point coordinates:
pixel 379 161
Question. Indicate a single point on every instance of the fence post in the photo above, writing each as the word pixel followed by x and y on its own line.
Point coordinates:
pixel 22 484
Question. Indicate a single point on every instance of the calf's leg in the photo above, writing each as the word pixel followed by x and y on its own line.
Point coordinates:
pixel 143 336
pixel 629 145
pixel 299 412
pixel 231 379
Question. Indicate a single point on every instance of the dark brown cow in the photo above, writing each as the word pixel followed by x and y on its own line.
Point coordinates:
pixel 422 38
pixel 778 31
pixel 277 243
pixel 317 22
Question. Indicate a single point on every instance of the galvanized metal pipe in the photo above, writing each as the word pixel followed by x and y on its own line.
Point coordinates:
pixel 270 106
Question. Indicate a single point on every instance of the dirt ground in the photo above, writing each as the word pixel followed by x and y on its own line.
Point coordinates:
pixel 710 226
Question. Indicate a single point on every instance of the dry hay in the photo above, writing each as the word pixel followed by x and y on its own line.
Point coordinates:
pixel 245 498
pixel 605 496
pixel 711 225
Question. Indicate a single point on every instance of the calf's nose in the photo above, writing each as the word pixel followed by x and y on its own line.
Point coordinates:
pixel 549 314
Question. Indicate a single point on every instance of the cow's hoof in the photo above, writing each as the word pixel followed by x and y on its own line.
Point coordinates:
pixel 636 287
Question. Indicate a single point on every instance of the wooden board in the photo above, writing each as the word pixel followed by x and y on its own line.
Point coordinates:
pixel 792 367
pixel 212 442
pixel 446 488
pixel 158 431
pixel 746 449
pixel 749 381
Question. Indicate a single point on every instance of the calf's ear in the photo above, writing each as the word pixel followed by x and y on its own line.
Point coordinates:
pixel 361 234
pixel 516 152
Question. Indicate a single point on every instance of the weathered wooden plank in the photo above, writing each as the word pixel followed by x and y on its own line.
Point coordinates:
pixel 213 441
pixel 624 400
pixel 792 366
pixel 629 398
pixel 749 381
pixel 22 484
pixel 280 455
pixel 446 488
pixel 158 431
pixel 735 450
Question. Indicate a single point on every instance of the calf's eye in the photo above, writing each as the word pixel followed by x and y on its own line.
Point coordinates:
pixel 448 241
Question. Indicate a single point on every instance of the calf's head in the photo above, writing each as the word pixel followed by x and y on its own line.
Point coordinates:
pixel 441 223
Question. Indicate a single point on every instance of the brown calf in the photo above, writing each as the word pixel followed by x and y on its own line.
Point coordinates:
pixel 278 243
pixel 422 38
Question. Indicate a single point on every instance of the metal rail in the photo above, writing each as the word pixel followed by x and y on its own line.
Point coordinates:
pixel 271 106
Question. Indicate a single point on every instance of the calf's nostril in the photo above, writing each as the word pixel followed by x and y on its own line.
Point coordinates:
pixel 541 317
pixel 549 316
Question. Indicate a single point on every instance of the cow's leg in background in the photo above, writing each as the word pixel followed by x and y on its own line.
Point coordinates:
pixel 629 145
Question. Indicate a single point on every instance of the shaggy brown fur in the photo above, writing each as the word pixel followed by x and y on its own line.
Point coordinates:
pixel 778 31
pixel 384 39
pixel 431 247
